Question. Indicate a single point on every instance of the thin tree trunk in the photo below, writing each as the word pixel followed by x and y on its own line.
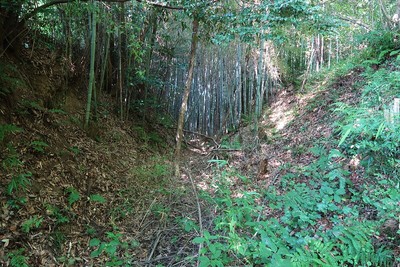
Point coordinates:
pixel 104 61
pixel 309 68
pixel 152 23
pixel 120 78
pixel 387 20
pixel 396 16
pixel 317 50
pixel 244 87
pixel 322 51
pixel 259 87
pixel 181 120
pixel 330 53
pixel 220 90
pixel 239 82
pixel 337 48
pixel 91 73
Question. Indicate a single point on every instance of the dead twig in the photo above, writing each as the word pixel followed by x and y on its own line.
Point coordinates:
pixel 198 211
pixel 155 244
pixel 203 135
pixel 147 213
pixel 225 149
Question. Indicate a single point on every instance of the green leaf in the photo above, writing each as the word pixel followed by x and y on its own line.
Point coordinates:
pixel 207 235
pixel 382 54
pixel 317 150
pixel 216 253
pixel 345 135
pixel 94 242
pixel 380 129
pixel 204 261
pixel 279 262
pixel 271 244
pixel 111 249
pixel 73 196
pixel 335 153
pixel 341 191
pixel 97 198
pixel 198 240
pixel 217 263
pixel 346 210
pixel 395 52
pixel 6 129
pixel 98 251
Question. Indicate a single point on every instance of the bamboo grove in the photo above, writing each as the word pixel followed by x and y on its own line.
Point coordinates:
pixel 138 51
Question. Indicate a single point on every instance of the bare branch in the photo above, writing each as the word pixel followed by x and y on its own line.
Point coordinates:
pixel 353 21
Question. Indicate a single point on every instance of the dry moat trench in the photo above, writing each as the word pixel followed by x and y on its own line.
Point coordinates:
pixel 113 187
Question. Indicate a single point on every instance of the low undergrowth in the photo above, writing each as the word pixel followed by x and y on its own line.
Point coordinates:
pixel 324 222
pixel 341 209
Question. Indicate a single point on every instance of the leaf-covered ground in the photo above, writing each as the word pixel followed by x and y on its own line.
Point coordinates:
pixel 75 198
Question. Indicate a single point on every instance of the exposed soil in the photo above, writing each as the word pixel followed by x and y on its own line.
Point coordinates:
pixel 63 161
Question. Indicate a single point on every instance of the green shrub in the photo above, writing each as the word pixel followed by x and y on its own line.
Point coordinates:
pixel 379 44
pixel 112 245
pixel 17 258
pixel 21 181
pixel 32 222
pixel 39 146
pixel 6 129
pixel 367 132
pixel 314 224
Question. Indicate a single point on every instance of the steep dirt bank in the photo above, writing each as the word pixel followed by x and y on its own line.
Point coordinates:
pixel 288 128
pixel 62 186
pixel 290 173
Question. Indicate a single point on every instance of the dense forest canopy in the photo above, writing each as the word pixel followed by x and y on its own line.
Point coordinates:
pixel 144 44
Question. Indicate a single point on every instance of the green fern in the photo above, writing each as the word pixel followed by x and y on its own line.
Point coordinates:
pixel 17 258
pixel 7 129
pixel 308 257
pixel 355 245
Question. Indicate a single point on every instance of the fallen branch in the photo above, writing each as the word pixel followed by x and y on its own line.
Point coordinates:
pixel 155 244
pixel 203 135
pixel 199 213
pixel 147 213
pixel 226 149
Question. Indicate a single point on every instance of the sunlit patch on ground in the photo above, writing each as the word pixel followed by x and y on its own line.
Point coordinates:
pixel 282 113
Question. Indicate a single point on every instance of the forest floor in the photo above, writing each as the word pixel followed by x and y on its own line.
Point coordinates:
pixel 254 161
pixel 78 198
pixel 71 197
pixel 287 130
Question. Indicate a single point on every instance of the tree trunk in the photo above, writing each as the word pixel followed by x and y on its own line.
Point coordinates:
pixel 396 16
pixel 151 24
pixel 330 53
pixel 10 28
pixel 104 60
pixel 181 120
pixel 91 73
pixel 244 87
pixel 120 77
pixel 239 82
pixel 259 87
